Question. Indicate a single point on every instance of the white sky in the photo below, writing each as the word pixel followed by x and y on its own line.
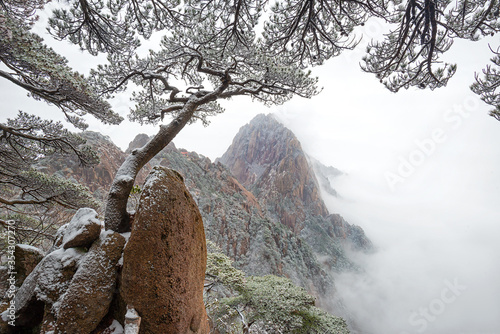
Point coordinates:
pixel 437 223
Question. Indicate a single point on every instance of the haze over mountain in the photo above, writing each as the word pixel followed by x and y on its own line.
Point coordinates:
pixel 261 204
pixel 250 208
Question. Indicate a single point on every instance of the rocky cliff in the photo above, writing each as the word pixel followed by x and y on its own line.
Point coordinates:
pixel 268 159
pixel 237 223
pixel 99 178
pixel 260 203
pixel 164 281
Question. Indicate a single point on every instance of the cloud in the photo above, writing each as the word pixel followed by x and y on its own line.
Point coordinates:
pixel 429 238
pixel 437 228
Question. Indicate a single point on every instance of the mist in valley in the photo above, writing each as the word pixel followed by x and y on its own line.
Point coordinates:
pixel 435 268
pixel 430 208
pixel 421 178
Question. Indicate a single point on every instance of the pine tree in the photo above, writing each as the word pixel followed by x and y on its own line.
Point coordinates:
pixel 29 196
pixel 265 304
pixel 217 49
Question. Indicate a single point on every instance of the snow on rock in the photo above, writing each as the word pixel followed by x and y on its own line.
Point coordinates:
pixel 27 257
pixel 58 270
pixel 131 329
pixel 87 299
pixel 59 236
pixel 83 229
pixel 70 289
pixel 114 328
pixel 132 321
pixel 48 322
pixel 131 313
pixel 164 262
pixel 126 235
pixel 45 284
pixel 30 248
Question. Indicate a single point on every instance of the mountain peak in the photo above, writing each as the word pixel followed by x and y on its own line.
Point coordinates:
pixel 267 158
pixel 258 144
pixel 265 119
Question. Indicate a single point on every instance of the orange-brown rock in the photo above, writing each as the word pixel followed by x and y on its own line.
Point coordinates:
pixel 49 320
pixel 267 158
pixel 99 178
pixel 90 293
pixel 96 179
pixel 165 258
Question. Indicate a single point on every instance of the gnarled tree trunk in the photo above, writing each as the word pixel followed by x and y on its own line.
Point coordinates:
pixel 116 216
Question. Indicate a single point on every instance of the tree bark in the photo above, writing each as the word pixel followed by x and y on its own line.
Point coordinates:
pixel 116 216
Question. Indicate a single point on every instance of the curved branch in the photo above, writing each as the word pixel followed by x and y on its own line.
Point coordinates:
pixel 59 143
pixel 6 225
pixel 23 202
pixel 45 93
pixel 116 216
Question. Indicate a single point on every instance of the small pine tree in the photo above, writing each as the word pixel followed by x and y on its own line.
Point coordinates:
pixel 267 304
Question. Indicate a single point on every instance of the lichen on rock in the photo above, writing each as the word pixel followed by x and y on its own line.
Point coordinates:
pixel 165 258
pixel 87 299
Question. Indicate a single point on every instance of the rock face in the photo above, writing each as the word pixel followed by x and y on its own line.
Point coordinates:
pixel 96 179
pixel 268 159
pixel 44 285
pixel 99 178
pixel 237 223
pixel 70 289
pixel 260 204
pixel 27 257
pixel 264 208
pixel 165 258
pixel 83 229
pixel 87 299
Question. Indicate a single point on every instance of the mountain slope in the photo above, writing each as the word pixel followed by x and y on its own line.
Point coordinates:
pixel 260 203
pixel 236 222
pixel 98 178
pixel 268 159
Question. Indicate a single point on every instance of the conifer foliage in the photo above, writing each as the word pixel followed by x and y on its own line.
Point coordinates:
pixel 261 304
pixel 33 199
pixel 27 194
pixel 218 49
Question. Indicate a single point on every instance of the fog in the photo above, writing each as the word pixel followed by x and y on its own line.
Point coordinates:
pixel 435 269
pixel 421 178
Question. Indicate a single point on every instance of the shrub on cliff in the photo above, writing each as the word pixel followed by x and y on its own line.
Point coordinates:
pixel 267 304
